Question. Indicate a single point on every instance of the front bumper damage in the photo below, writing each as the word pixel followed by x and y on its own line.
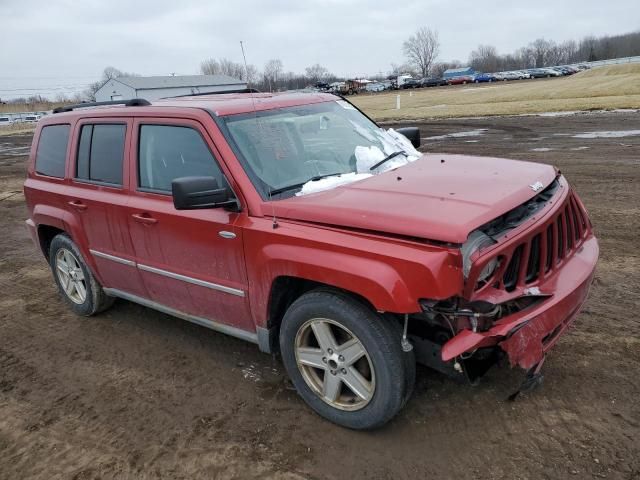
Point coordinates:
pixel 526 336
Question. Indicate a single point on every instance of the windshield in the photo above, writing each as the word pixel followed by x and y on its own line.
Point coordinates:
pixel 309 148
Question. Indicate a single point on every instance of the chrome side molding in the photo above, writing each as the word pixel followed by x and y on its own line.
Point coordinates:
pixel 194 281
pixel 166 273
pixel 113 258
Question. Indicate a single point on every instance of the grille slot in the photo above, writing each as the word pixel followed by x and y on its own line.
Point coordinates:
pixel 560 241
pixel 549 260
pixel 533 263
pixel 510 277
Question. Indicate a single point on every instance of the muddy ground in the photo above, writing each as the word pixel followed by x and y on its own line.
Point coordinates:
pixel 137 394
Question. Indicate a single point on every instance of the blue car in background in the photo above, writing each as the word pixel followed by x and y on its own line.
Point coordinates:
pixel 484 77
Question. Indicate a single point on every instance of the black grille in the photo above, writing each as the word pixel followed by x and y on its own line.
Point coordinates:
pixel 546 247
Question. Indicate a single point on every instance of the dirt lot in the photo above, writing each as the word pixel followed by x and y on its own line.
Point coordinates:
pixel 137 394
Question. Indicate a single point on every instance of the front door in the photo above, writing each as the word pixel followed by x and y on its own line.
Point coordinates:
pixel 190 260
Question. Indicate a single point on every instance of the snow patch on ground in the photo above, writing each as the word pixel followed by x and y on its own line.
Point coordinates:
pixel 541 149
pixel 579 148
pixel 558 114
pixel 471 141
pixel 469 133
pixel 608 134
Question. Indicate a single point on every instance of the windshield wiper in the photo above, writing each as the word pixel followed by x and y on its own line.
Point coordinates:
pixel 387 158
pixel 276 191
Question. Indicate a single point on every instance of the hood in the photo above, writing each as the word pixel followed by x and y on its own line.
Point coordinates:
pixel 438 197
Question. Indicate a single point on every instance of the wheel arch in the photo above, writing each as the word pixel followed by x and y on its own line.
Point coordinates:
pixel 286 289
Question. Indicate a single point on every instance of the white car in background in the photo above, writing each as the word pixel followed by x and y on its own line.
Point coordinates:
pixel 374 87
pixel 4 121
pixel 31 118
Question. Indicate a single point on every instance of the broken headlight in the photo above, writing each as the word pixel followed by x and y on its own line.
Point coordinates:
pixel 476 242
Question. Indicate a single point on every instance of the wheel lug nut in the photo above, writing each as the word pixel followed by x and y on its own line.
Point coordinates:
pixel 343 371
pixel 341 358
pixel 324 359
pixel 333 372
pixel 329 351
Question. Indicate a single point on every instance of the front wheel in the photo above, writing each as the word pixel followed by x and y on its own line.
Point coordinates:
pixel 345 360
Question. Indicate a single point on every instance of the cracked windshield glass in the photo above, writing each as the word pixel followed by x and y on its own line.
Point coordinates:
pixel 311 148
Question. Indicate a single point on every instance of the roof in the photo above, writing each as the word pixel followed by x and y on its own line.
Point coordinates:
pixel 458 70
pixel 235 103
pixel 219 104
pixel 175 81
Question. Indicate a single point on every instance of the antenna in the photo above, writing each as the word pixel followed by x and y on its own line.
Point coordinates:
pixel 255 114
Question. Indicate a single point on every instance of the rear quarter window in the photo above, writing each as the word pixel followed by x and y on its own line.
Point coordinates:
pixel 52 150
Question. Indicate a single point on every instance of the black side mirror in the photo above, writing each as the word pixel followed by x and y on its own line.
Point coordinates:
pixel 192 193
pixel 412 133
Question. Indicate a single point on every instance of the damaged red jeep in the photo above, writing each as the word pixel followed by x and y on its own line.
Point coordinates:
pixel 295 222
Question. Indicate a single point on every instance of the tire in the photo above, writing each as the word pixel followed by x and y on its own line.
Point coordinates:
pixel 386 373
pixel 64 254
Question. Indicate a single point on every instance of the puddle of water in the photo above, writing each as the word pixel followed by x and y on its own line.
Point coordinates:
pixel 468 133
pixel 608 134
pixel 256 374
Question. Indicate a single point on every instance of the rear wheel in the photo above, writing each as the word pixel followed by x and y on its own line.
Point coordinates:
pixel 76 284
pixel 345 360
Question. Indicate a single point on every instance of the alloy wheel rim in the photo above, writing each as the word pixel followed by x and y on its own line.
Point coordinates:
pixel 335 364
pixel 71 276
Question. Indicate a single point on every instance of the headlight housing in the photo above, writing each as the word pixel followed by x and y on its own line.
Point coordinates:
pixel 476 242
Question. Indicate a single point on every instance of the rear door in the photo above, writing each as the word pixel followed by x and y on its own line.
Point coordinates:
pixel 97 198
pixel 190 260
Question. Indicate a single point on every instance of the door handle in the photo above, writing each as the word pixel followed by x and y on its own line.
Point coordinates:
pixel 78 205
pixel 144 218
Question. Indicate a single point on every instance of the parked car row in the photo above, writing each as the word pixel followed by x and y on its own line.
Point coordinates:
pixel 402 82
pixel 546 72
pixel 12 119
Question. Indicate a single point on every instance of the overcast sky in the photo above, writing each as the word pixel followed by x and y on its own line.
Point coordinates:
pixel 64 44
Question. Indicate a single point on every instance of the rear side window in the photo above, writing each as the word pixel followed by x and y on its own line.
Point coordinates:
pixel 101 153
pixel 169 152
pixel 52 150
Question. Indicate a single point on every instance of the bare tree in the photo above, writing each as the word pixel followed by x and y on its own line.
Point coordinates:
pixel 422 48
pixel 540 49
pixel 485 58
pixel 272 72
pixel 224 66
pixel 316 73
pixel 403 69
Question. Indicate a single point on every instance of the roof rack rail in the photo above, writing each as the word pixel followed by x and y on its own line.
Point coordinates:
pixel 133 102
pixel 241 90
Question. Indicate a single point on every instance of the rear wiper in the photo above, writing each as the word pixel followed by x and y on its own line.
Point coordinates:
pixel 276 191
pixel 387 158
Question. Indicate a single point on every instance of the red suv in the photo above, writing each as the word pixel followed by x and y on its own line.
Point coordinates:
pixel 295 222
